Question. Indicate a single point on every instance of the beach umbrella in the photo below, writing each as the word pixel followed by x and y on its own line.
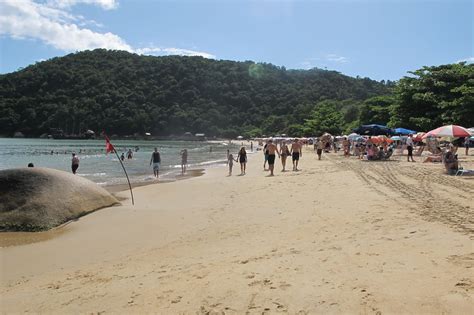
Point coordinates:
pixel 396 138
pixel 419 136
pixel 452 131
pixel 382 139
pixel 354 137
pixel 403 131
pixel 471 130
pixel 373 130
pixel 240 137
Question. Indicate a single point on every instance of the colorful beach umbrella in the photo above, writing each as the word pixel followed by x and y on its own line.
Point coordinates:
pixel 452 131
pixel 419 136
pixel 380 139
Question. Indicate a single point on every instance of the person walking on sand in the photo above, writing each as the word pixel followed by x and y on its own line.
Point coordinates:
pixel 272 149
pixel 74 163
pixel 284 153
pixel 242 158
pixel 296 153
pixel 156 160
pixel 410 148
pixel 184 160
pixel 230 162
pixel 346 147
pixel 319 148
pixel 251 146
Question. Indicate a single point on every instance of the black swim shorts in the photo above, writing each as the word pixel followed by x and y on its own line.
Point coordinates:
pixel 410 150
pixel 295 156
pixel 271 159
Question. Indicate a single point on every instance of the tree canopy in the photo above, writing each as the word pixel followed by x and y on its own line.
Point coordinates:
pixel 123 93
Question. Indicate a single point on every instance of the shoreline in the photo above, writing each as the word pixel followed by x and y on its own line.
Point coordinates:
pixel 116 188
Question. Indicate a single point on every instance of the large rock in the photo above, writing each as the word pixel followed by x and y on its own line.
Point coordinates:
pixel 34 199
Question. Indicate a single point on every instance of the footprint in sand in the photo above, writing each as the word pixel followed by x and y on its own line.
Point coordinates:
pixel 176 300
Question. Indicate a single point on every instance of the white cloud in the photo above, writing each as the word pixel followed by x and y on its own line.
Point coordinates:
pixel 468 60
pixel 336 58
pixel 51 24
pixel 173 51
pixel 27 19
pixel 64 4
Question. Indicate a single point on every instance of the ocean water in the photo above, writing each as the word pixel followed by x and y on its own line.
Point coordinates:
pixel 105 169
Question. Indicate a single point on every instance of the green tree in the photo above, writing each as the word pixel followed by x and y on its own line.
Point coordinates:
pixel 324 118
pixel 435 96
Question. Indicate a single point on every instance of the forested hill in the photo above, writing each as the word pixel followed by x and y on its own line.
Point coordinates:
pixel 124 93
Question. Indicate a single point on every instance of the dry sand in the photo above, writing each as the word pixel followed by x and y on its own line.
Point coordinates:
pixel 340 236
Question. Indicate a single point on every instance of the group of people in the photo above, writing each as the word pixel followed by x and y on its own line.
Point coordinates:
pixel 129 155
pixel 270 151
pixel 368 150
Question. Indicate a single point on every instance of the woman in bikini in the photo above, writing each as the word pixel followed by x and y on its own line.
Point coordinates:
pixel 242 158
pixel 284 152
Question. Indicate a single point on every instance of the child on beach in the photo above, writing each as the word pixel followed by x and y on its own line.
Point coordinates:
pixel 230 162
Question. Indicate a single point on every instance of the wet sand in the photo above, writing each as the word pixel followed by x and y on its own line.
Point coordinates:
pixel 340 236
pixel 114 189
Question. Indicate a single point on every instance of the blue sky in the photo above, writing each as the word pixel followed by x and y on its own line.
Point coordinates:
pixel 376 39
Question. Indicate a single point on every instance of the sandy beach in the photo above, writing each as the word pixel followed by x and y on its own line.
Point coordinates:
pixel 341 236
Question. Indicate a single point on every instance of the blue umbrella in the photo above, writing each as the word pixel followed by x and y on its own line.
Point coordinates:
pixel 403 131
pixel 373 130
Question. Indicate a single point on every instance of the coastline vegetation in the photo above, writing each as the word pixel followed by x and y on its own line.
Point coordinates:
pixel 123 93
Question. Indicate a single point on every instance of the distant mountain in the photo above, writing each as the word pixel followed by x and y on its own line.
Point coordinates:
pixel 124 93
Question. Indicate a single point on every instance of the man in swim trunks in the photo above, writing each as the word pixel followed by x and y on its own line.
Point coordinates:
pixel 272 149
pixel 296 153
pixel 156 160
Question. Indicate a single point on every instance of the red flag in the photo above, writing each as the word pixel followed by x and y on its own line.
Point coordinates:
pixel 108 146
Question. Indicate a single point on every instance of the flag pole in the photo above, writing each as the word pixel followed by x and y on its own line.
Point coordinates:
pixel 108 147
pixel 128 180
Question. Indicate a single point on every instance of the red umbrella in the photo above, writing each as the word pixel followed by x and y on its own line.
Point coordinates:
pixel 453 131
pixel 419 136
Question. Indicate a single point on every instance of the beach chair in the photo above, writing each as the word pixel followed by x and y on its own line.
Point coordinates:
pixel 463 172
pixel 387 155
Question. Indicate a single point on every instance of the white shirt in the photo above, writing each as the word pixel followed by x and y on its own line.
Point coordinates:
pixel 409 142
